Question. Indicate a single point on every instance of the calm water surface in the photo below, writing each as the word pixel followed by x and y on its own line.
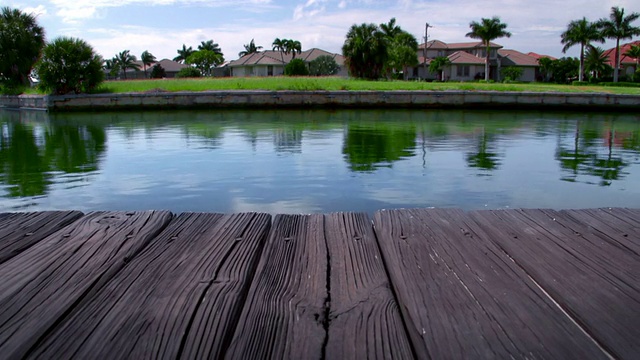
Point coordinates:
pixel 317 161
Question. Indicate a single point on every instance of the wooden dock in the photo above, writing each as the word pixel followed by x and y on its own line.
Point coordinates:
pixel 415 283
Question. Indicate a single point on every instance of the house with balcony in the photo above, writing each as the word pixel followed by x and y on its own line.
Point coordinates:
pixel 468 61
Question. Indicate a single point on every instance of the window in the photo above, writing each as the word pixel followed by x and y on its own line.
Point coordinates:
pixel 462 70
pixel 270 70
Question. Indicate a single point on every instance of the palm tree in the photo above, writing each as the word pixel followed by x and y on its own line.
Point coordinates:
pixel 112 66
pixel 147 59
pixel 21 40
pixel 183 53
pixel 438 64
pixel 249 48
pixel 126 61
pixel 619 27
pixel 292 46
pixel 580 32
pixel 390 29
pixel 279 45
pixel 595 61
pixel 365 50
pixel 488 30
pixel 634 52
pixel 211 46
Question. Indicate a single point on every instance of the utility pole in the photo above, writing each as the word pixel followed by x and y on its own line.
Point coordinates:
pixel 424 52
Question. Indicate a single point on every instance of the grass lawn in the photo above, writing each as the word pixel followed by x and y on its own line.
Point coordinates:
pixel 332 83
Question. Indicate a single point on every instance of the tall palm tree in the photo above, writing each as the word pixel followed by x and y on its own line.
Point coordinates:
pixel 126 61
pixel 249 48
pixel 183 53
pixel 211 46
pixel 390 29
pixel 21 41
pixel 293 47
pixel 488 30
pixel 112 66
pixel 365 50
pixel 619 27
pixel 279 45
pixel 634 52
pixel 580 32
pixel 147 59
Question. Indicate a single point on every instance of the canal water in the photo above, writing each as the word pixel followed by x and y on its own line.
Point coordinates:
pixel 302 161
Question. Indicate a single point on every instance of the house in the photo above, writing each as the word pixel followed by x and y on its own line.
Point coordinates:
pixel 628 65
pixel 170 67
pixel 468 61
pixel 272 63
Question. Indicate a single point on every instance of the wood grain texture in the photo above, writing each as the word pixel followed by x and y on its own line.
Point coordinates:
pixel 19 231
pixel 283 316
pixel 463 297
pixel 41 285
pixel 588 274
pixel 180 298
pixel 364 319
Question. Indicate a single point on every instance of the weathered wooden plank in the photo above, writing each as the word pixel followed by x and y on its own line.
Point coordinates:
pixel 284 314
pixel 19 231
pixel 364 319
pixel 42 284
pixel 578 271
pixel 462 297
pixel 621 227
pixel 181 297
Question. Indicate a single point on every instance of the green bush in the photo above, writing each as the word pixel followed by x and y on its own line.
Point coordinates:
pixel 296 67
pixel 158 72
pixel 324 65
pixel 511 73
pixel 69 65
pixel 580 83
pixel 188 72
pixel 620 84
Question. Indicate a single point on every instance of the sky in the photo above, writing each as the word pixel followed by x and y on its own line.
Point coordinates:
pixel 163 26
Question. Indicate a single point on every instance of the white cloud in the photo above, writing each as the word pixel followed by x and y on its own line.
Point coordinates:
pixel 37 11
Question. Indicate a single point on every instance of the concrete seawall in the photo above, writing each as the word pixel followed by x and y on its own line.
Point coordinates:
pixel 331 99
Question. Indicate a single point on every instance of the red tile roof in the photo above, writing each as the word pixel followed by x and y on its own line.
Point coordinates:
pixel 440 45
pixel 513 57
pixel 538 56
pixel 270 57
pixel 624 59
pixel 461 57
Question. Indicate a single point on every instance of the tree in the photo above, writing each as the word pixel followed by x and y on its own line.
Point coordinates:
pixel 546 67
pixel 69 65
pixel 511 73
pixel 619 27
pixel 126 61
pixel 488 30
pixel 249 48
pixel 147 59
pixel 580 32
pixel 390 29
pixel 323 65
pixel 365 50
pixel 21 40
pixel 183 53
pixel 188 72
pixel 565 69
pixel 158 72
pixel 595 62
pixel 292 46
pixel 634 52
pixel 438 65
pixel 296 67
pixel 205 61
pixel 112 66
pixel 402 48
pixel 211 46
pixel 279 45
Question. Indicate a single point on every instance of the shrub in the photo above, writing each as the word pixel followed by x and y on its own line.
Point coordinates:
pixel 157 72
pixel 21 40
pixel 188 72
pixel 324 65
pixel 69 65
pixel 511 73
pixel 296 67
